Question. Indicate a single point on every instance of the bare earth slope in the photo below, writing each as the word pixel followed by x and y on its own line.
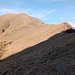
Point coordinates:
pixel 30 47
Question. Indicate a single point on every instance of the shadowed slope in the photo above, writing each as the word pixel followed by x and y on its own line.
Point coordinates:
pixel 55 56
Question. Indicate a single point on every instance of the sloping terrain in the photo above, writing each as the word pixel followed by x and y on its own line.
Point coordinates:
pixel 55 56
pixel 30 47
pixel 23 31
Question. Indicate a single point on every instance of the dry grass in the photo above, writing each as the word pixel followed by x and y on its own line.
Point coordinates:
pixel 3 46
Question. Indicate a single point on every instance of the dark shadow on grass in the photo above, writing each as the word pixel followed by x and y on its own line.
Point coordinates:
pixel 51 57
pixel 70 31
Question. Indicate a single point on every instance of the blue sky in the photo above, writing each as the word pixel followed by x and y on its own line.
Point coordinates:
pixel 49 11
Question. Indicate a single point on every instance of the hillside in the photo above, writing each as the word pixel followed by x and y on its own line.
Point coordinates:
pixel 30 47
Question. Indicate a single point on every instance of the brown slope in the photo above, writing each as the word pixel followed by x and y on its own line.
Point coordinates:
pixel 25 31
pixel 22 28
pixel 55 56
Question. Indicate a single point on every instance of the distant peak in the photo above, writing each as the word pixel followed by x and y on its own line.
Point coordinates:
pixel 15 14
pixel 22 14
pixel 66 24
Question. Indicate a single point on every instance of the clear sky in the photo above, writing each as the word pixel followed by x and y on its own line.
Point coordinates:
pixel 49 11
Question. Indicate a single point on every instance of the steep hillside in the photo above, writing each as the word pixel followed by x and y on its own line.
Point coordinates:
pixel 25 31
pixel 22 30
pixel 30 47
pixel 55 56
